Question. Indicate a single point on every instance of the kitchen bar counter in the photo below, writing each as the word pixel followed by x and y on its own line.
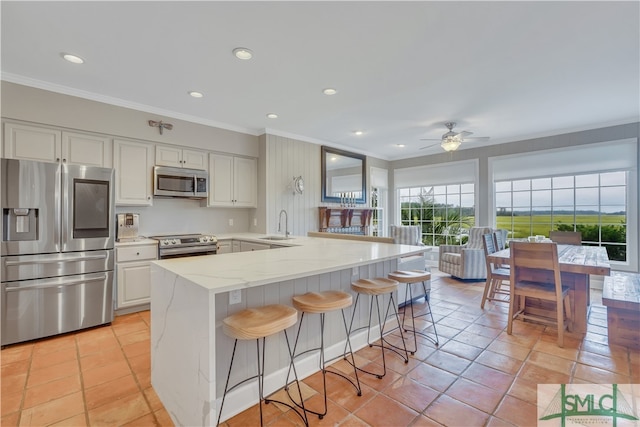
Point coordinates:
pixel 303 257
pixel 190 296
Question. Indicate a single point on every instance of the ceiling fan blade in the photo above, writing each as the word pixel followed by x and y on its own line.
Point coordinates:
pixel 428 146
pixel 477 138
pixel 430 139
pixel 464 133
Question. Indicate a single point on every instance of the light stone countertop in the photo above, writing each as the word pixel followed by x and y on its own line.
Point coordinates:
pixel 138 241
pixel 305 256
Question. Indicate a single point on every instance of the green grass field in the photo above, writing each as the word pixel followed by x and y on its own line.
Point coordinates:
pixel 524 226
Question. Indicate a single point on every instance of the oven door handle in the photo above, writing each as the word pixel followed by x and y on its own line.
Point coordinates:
pixel 56 284
pixel 56 260
pixel 188 250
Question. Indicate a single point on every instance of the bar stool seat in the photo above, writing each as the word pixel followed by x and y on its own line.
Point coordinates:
pixel 410 277
pixel 377 287
pixel 321 303
pixel 259 323
pixel 254 323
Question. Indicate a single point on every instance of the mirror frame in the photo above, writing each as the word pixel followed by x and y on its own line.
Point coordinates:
pixel 323 165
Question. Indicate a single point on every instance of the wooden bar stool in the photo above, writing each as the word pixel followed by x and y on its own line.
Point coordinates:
pixel 377 287
pixel 258 323
pixel 322 303
pixel 410 277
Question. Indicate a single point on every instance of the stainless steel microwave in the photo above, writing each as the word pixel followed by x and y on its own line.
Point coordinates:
pixel 180 182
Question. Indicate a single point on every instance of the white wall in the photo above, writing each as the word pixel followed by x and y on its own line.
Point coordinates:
pixel 55 109
pixel 182 216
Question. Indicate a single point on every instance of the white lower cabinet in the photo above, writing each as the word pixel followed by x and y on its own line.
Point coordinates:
pixel 133 274
pixel 250 246
pixel 225 246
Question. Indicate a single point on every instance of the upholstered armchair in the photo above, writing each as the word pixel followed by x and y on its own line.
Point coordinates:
pixel 406 235
pixel 465 261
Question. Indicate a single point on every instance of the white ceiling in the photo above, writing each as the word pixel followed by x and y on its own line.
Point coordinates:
pixel 508 70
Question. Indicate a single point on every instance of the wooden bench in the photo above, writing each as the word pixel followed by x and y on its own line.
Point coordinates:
pixel 621 296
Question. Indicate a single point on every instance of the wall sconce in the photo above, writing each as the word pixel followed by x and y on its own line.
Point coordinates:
pixel 297 185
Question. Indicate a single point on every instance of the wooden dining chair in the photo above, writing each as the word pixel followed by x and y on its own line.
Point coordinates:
pixel 566 237
pixel 535 273
pixel 495 287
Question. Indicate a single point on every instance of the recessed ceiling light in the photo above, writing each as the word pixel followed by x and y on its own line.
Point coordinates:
pixel 196 94
pixel 243 53
pixel 358 132
pixel 400 145
pixel 72 58
pixel 329 91
pixel 272 116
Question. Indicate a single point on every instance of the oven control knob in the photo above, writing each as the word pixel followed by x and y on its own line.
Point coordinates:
pixel 174 242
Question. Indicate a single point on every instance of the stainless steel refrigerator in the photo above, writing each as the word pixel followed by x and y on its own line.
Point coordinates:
pixel 57 248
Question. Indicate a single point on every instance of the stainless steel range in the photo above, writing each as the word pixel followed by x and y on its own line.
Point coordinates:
pixel 183 245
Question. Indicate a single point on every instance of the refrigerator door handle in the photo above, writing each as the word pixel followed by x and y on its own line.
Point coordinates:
pixel 57 284
pixel 56 260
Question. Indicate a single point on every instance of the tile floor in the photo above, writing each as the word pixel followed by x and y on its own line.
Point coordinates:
pixel 478 376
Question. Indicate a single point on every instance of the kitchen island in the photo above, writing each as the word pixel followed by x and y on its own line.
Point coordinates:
pixel 191 296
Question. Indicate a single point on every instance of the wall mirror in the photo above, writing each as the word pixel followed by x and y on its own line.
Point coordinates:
pixel 343 175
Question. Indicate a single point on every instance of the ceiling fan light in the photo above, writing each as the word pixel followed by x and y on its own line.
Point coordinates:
pixel 450 143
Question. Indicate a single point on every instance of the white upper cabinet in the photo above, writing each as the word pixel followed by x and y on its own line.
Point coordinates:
pixel 245 182
pixel 233 181
pixel 83 149
pixel 179 158
pixel 43 144
pixel 133 162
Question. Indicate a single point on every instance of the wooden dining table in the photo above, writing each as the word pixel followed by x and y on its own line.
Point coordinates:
pixel 576 264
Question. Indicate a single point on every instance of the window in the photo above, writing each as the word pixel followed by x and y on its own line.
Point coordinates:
pixel 444 212
pixel 594 204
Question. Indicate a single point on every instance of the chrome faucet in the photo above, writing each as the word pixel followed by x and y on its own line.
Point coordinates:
pixel 286 223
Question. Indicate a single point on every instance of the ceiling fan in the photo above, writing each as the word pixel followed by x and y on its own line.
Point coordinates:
pixel 451 140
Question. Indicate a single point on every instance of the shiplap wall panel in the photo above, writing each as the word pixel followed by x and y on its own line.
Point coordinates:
pixel 285 159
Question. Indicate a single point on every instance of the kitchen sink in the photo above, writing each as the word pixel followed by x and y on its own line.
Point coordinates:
pixel 275 238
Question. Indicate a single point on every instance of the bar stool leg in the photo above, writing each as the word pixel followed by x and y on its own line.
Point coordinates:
pixel 323 367
pixel 382 339
pixel 295 374
pixel 413 318
pixel 260 376
pixel 226 386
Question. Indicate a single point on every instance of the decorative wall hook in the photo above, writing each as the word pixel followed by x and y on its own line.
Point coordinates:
pixel 160 125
